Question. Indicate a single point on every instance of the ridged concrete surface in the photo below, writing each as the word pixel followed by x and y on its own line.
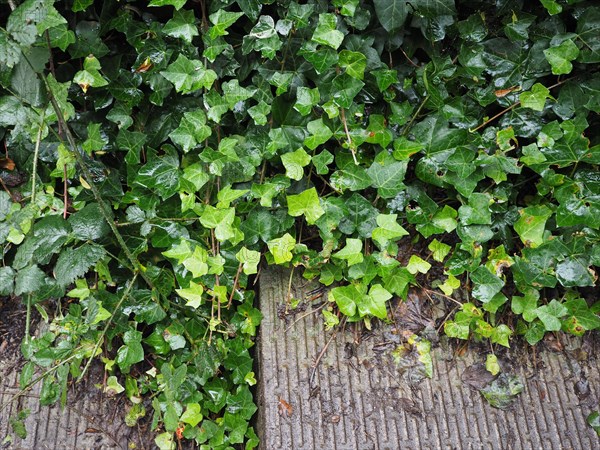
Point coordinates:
pixel 359 400
pixel 88 421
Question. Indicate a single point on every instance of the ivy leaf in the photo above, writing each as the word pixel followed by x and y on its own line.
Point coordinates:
pixel 233 93
pixel 88 223
pixel 191 131
pixel 551 314
pixel 579 309
pixel 560 57
pixel 574 271
pixel 221 220
pixel 306 203
pixel 355 63
pixel 249 259
pixel 374 304
pixel 73 263
pixel 387 229
pixel 391 13
pixel 485 284
pixel 178 4
pixel 189 75
pixel 387 175
pixel 161 173
pixel 319 133
pixel 326 32
pixel 193 294
pixel 439 250
pixel 306 99
pixel 196 262
pixel 131 352
pixel 532 223
pixel 536 98
pixel 351 253
pixel 182 25
pixel 222 20
pixel 294 163
pixel 417 265
pixel 346 298
pixel 281 248
pixel 263 38
pixel 321 161
pixel 345 89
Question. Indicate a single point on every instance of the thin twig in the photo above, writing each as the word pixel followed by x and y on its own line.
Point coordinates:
pixel 100 339
pixel 235 282
pixel 312 311
pixel 348 137
pixel 318 360
pixel 36 153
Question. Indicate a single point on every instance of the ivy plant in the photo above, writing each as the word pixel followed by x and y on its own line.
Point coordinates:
pixel 157 153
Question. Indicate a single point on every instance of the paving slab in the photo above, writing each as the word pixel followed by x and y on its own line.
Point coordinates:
pixel 359 398
pixel 89 420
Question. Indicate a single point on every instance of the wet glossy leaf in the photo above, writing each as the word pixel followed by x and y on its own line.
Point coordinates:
pixel 189 75
pixel 532 223
pixel 307 204
pixel 182 25
pixel 536 98
pixel 560 57
pixel 326 32
pixel 391 13
pixel 75 262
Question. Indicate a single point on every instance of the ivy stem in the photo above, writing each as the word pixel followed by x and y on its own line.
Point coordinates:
pixel 417 112
pixel 36 153
pixel 100 338
pixel 349 139
pixel 235 282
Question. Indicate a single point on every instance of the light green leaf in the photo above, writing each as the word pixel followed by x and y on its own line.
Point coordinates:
pixel 536 98
pixel 532 223
pixel 351 253
pixel 179 251
pixel 294 163
pixel 491 364
pixel 346 298
pixel 189 75
pixel 192 130
pixel 222 20
pixel 319 134
pixel 560 57
pixel 182 25
pixel 551 314
pixel 417 265
pixel 178 4
pixel 450 285
pixel 219 219
pixel 306 99
pixel 193 294
pixel 326 33
pixel 249 259
pixel 439 250
pixel 387 229
pixel 374 304
pixel 234 93
pixel 196 263
pixel 355 63
pixel 281 248
pixel 192 414
pixel 306 203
